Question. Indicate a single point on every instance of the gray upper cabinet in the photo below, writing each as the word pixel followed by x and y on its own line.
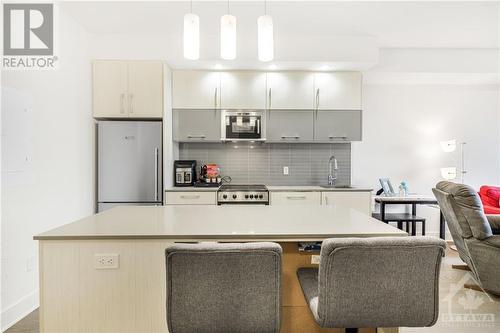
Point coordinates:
pixel 290 125
pixel 337 125
pixel 196 125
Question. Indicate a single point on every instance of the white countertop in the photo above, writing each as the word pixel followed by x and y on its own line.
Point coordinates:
pixel 195 223
pixel 279 188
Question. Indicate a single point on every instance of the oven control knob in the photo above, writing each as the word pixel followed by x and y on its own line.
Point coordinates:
pixel 251 196
pixel 224 196
pixel 261 196
pixel 246 196
pixel 234 196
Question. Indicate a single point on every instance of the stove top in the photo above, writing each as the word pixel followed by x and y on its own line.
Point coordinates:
pixel 242 187
pixel 242 194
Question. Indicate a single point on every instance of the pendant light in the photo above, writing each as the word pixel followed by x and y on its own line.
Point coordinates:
pixel 265 36
pixel 228 36
pixel 191 35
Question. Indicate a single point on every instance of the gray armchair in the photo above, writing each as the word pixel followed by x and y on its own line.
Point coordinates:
pixel 476 235
pixel 375 282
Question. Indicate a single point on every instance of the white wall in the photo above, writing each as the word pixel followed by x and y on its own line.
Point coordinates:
pixel 47 162
pixel 403 125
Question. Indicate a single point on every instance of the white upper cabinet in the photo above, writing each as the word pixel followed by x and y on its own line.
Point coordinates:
pixel 243 90
pixel 110 91
pixel 127 89
pixel 195 90
pixel 145 88
pixel 290 90
pixel 338 91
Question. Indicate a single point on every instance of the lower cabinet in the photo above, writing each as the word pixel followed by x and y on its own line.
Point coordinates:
pixel 295 198
pixel 361 201
pixel 190 198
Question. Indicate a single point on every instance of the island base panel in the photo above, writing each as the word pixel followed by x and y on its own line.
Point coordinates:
pixel 77 297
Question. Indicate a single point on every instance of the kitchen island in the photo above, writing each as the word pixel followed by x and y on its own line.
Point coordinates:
pixel 106 273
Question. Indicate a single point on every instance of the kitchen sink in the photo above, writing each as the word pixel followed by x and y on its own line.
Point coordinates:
pixel 335 186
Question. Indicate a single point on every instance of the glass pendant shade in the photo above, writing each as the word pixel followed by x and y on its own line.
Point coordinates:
pixel 191 36
pixel 265 38
pixel 228 37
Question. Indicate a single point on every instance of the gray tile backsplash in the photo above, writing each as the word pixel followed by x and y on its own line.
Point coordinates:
pixel 263 163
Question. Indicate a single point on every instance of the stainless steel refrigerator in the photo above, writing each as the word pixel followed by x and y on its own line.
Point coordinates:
pixel 129 163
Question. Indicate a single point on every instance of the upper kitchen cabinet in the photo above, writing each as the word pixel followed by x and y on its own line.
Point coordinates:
pixel 243 90
pixel 127 89
pixel 145 87
pixel 337 125
pixel 290 125
pixel 290 90
pixel 196 125
pixel 195 90
pixel 338 91
pixel 110 89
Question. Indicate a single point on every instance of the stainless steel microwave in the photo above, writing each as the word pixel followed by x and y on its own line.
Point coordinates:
pixel 243 125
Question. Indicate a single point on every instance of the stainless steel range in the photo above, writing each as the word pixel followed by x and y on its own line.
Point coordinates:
pixel 243 194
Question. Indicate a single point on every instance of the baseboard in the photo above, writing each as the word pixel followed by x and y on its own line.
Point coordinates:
pixel 17 311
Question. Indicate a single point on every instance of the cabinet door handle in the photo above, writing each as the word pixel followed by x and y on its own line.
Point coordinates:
pixel 192 136
pixel 156 173
pixel 302 197
pixel 193 196
pixel 216 93
pixel 290 136
pixel 130 103
pixel 270 95
pixel 317 98
pixel 122 103
pixel 343 137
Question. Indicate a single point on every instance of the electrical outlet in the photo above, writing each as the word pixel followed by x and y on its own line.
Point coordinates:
pixel 315 259
pixel 106 261
pixel 285 170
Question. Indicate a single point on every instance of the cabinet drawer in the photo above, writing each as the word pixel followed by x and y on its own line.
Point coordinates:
pixel 190 198
pixel 360 201
pixel 295 198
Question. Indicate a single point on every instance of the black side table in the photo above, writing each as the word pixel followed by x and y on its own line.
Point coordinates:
pixel 413 201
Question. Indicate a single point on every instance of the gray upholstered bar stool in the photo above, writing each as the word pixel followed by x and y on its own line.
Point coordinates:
pixel 223 288
pixel 375 282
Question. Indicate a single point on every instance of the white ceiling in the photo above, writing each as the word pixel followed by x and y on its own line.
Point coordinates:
pixel 329 29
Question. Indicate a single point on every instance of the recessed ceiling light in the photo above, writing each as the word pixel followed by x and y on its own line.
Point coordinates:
pixel 325 68
pixel 273 67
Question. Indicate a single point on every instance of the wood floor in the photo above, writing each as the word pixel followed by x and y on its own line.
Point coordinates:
pixel 449 280
pixel 28 324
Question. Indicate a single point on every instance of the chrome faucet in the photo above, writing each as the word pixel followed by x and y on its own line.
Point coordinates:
pixel 332 171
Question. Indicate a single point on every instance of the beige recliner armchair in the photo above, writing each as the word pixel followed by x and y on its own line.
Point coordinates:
pixel 476 235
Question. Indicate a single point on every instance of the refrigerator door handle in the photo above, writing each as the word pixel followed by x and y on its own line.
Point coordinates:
pixel 156 173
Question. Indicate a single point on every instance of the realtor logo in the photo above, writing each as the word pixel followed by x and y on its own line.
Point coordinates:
pixel 28 36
